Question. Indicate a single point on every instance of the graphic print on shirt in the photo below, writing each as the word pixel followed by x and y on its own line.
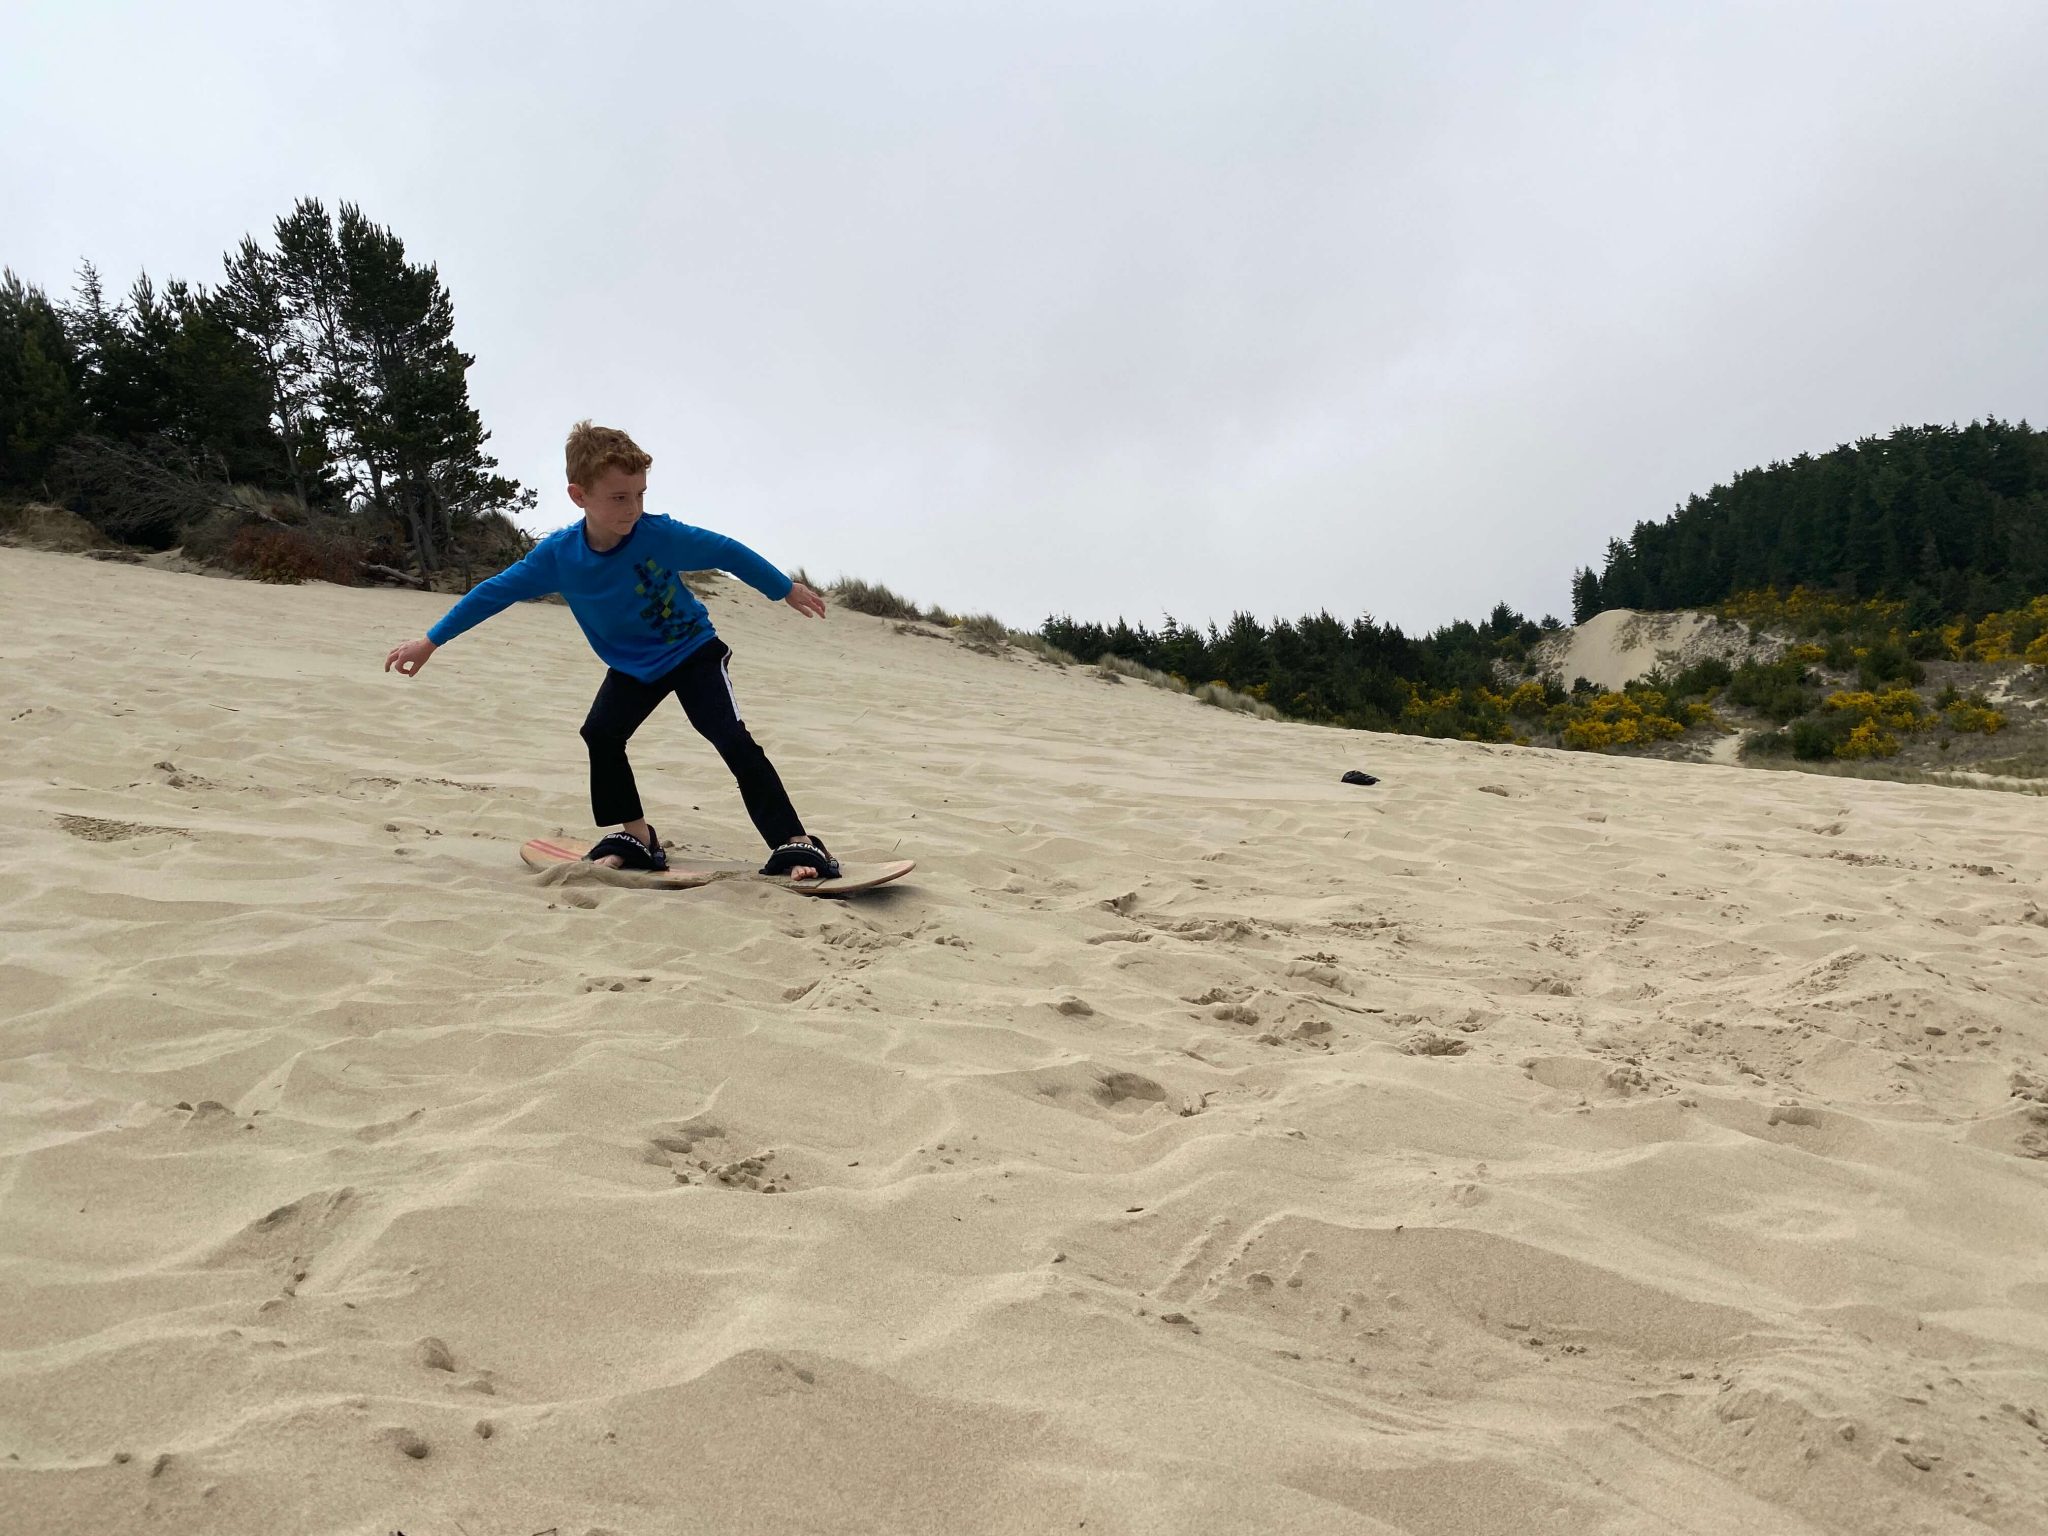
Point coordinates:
pixel 665 612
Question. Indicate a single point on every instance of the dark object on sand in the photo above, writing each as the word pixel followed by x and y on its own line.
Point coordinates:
pixel 1355 777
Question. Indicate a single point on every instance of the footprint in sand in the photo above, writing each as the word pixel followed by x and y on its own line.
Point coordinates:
pixel 952 1154
pixel 1230 930
pixel 1320 974
pixel 698 1152
pixel 1587 1076
pixel 95 830
pixel 616 983
pixel 2032 1138
pixel 287 1239
pixel 433 1354
pixel 1111 1094
pixel 408 1441
pixel 746 1173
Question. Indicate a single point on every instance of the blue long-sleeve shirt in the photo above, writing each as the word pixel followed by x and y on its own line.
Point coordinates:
pixel 630 599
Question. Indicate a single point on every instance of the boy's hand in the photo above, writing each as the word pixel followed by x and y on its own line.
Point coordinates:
pixel 805 601
pixel 410 657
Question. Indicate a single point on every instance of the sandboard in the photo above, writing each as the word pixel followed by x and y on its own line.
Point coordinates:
pixel 685 871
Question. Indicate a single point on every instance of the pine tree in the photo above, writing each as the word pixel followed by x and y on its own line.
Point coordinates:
pixel 220 402
pixel 252 303
pixel 92 331
pixel 1958 514
pixel 120 350
pixel 39 404
pixel 307 271
pixel 1241 655
pixel 367 362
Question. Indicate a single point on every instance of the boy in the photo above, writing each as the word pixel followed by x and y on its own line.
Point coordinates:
pixel 619 570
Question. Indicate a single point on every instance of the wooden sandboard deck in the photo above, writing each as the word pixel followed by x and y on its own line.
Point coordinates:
pixel 686 871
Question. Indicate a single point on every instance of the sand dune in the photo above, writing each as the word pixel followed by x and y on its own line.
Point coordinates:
pixel 1618 645
pixel 1533 1143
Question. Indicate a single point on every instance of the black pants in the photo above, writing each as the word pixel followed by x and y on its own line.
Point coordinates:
pixel 703 687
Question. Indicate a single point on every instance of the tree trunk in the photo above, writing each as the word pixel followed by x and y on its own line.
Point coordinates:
pixel 287 420
pixel 422 534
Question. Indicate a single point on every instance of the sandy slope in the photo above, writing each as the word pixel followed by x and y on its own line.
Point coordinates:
pixel 1618 645
pixel 1535 1143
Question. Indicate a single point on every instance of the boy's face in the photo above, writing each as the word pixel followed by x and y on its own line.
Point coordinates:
pixel 613 503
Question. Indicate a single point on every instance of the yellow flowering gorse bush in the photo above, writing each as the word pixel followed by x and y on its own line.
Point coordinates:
pixel 2018 634
pixel 1967 715
pixel 1634 718
pixel 1805 609
pixel 1898 709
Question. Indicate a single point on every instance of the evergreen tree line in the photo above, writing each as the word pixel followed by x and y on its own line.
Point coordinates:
pixel 322 366
pixel 1951 520
pixel 1362 674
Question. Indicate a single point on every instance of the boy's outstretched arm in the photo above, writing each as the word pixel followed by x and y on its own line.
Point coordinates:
pixel 699 549
pixel 532 577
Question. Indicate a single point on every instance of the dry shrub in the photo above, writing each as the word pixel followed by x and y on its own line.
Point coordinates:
pixel 987 628
pixel 874 598
pixel 1118 667
pixel 1229 698
pixel 208 534
pixel 142 495
pixel 42 526
pixel 209 537
pixel 491 539
pixel 1042 648
pixel 292 555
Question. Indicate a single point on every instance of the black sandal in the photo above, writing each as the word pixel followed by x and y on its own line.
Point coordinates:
pixel 802 856
pixel 631 852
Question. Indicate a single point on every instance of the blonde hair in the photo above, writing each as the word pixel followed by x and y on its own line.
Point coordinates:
pixel 593 450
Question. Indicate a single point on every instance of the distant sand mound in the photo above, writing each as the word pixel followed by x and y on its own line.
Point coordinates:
pixel 1614 648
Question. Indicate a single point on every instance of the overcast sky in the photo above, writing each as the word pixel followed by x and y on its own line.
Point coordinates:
pixel 1111 308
